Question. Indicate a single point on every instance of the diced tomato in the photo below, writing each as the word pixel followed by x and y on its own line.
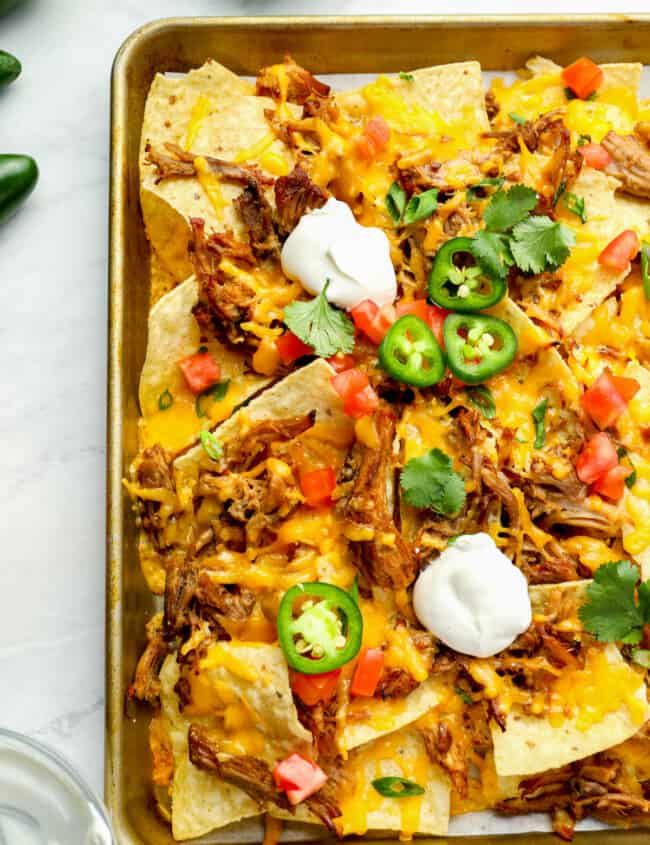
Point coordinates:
pixel 597 458
pixel 612 483
pixel 317 486
pixel 627 387
pixel 375 138
pixel 200 371
pixel 618 254
pixel 595 155
pixel 372 320
pixel 607 398
pixel 290 348
pixel 357 394
pixel 432 315
pixel 340 362
pixel 298 777
pixel 583 77
pixel 368 671
pixel 314 688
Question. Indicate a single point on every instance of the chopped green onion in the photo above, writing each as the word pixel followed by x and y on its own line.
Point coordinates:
pixel 464 696
pixel 539 414
pixel 576 205
pixel 165 401
pixel 630 481
pixel 216 393
pixel 559 191
pixel 394 787
pixel 583 139
pixel 407 77
pixel 420 206
pixel 396 201
pixel 642 657
pixel 211 445
pixel 482 399
pixel 517 118
pixel 475 191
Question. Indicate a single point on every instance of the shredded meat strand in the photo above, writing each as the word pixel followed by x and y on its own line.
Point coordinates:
pixel 295 194
pixel 146 682
pixel 257 215
pixel 630 163
pixel 300 83
pixel 177 163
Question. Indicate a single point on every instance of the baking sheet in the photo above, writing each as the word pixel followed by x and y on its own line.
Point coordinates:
pixel 389 44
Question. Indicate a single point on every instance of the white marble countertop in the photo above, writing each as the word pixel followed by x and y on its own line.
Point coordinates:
pixel 52 346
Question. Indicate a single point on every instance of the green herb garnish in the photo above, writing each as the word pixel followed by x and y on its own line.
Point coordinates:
pixel 318 324
pixel 617 606
pixel 420 206
pixel 431 482
pixel 482 399
pixel 576 205
pixel 165 401
pixel 216 393
pixel 396 201
pixel 397 787
pixel 212 446
pixel 539 415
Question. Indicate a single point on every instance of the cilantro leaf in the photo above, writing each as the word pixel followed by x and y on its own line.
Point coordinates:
pixel 507 208
pixel 431 482
pixel 540 244
pixel 482 399
pixel 576 205
pixel 326 329
pixel 420 206
pixel 216 393
pixel 611 612
pixel 492 253
pixel 539 413
pixel 396 201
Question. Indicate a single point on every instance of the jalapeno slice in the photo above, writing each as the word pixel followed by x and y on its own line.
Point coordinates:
pixel 411 354
pixel 319 627
pixel 478 346
pixel 456 281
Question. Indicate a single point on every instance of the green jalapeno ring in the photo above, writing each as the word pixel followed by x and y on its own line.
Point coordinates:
pixel 462 289
pixel 411 354
pixel 334 619
pixel 478 346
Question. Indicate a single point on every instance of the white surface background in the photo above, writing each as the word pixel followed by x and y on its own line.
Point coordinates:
pixel 52 348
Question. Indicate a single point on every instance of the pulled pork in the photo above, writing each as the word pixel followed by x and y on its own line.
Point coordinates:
pixel 154 473
pixel 179 164
pixel 257 215
pixel 146 683
pixel 289 81
pixel 234 602
pixel 384 558
pixel 595 786
pixel 254 777
pixel 296 194
pixel 630 163
pixel 225 301
pixel 395 683
pixel 320 720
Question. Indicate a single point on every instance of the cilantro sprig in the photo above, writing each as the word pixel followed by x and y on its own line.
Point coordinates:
pixel 512 235
pixel 321 326
pixel 616 608
pixel 431 482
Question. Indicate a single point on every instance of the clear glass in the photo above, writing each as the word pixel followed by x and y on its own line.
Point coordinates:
pixel 43 801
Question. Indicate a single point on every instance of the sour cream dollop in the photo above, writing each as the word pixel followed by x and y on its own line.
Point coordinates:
pixel 328 243
pixel 473 598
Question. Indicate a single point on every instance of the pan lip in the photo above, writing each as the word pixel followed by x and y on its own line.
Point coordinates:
pixel 115 507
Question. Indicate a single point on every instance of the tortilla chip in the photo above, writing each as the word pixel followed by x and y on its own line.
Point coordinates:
pixel 530 336
pixel 303 391
pixel 532 744
pixel 453 91
pixel 173 334
pixel 585 282
pixel 616 74
pixel 212 112
pixel 376 718
pixel 202 802
pixel 403 755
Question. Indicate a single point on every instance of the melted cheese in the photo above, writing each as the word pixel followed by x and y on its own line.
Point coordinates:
pixel 591 693
pixel 200 111
pixel 210 183
pixel 256 150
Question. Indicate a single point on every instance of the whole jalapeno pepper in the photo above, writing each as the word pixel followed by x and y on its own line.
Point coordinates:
pixel 478 346
pixel 462 288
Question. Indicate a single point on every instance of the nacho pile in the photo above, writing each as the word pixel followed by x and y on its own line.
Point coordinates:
pixel 302 463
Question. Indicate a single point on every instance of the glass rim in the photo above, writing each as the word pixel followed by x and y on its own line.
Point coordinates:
pixel 66 767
